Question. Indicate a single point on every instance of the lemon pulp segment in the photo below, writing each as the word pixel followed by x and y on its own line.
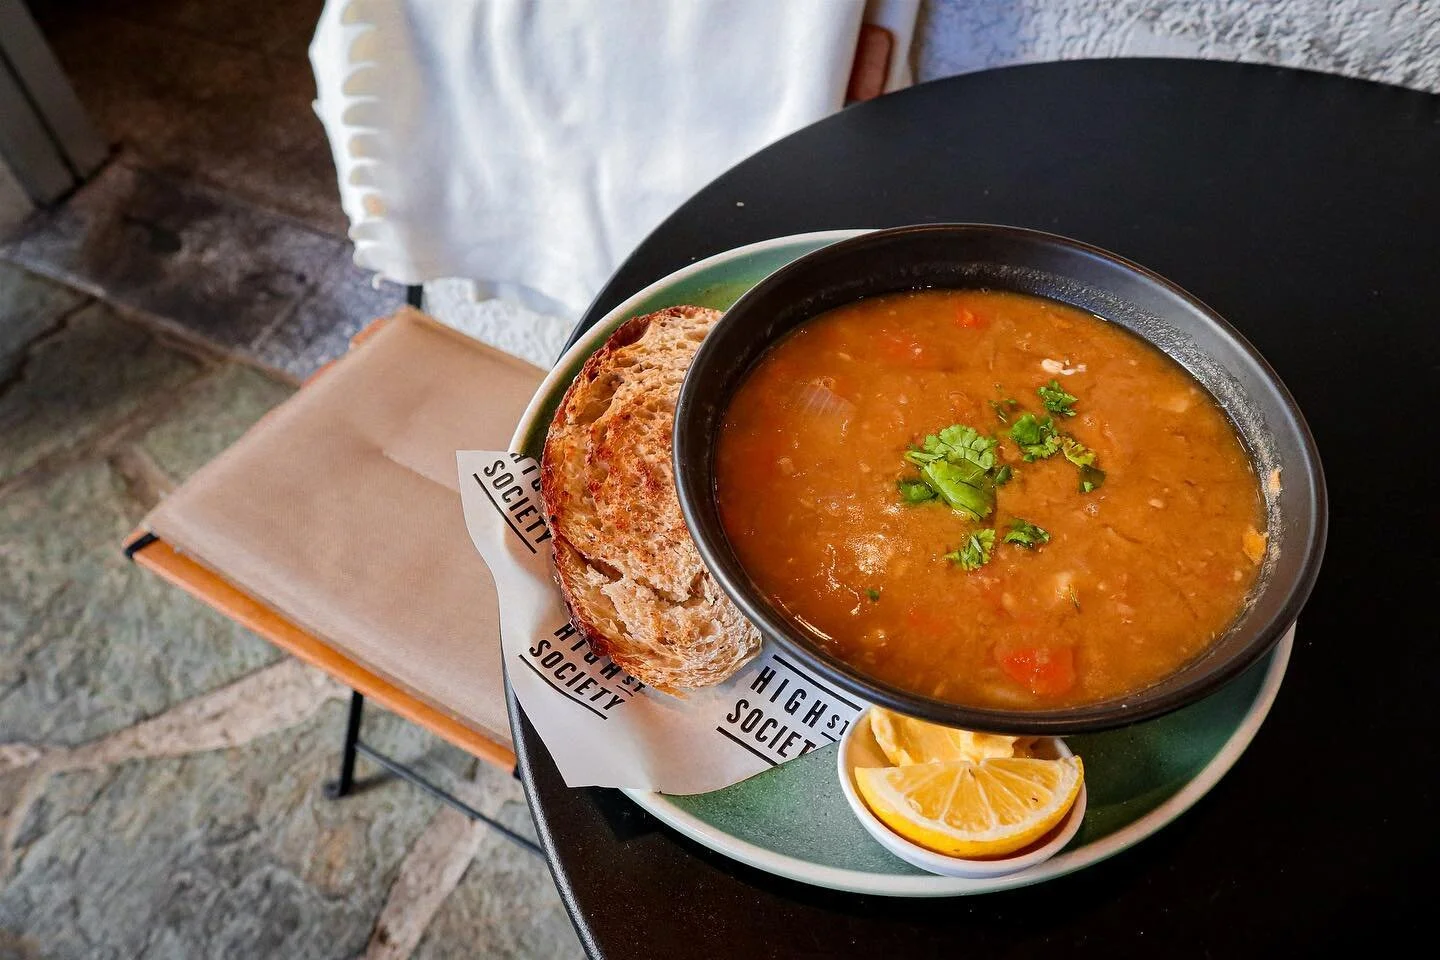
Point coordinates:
pixel 964 808
pixel 906 740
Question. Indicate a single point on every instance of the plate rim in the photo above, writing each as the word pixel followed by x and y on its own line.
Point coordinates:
pixel 1067 861
pixel 858 881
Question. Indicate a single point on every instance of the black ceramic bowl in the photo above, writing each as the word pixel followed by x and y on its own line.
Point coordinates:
pixel 1008 258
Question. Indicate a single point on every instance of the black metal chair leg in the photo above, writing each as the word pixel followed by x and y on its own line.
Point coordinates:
pixel 410 776
pixel 354 747
pixel 345 785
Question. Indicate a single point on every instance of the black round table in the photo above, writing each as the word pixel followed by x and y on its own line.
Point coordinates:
pixel 1306 209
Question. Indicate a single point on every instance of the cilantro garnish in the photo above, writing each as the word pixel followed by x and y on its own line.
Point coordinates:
pixel 1077 453
pixel 975 552
pixel 964 486
pixel 956 443
pixel 1056 400
pixel 915 491
pixel 1036 438
pixel 956 466
pixel 1026 534
pixel 873 594
pixel 1091 476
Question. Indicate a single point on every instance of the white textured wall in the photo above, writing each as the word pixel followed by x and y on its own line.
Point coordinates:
pixel 1395 41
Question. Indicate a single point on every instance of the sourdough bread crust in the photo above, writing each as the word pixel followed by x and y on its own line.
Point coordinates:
pixel 632 579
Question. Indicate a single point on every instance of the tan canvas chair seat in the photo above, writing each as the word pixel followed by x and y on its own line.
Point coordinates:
pixel 340 514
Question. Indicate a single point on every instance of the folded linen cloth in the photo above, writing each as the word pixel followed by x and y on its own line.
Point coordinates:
pixel 530 146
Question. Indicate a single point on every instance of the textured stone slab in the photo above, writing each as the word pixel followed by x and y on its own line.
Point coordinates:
pixel 29 306
pixel 220 268
pixel 219 92
pixel 320 327
pixel 453 847
pixel 210 416
pixel 80 382
pixel 263 28
pixel 506 905
pixel 88 642
pixel 233 853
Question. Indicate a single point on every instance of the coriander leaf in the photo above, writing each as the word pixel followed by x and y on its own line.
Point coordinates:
pixel 957 443
pixel 1036 438
pixel 967 443
pixel 1003 475
pixel 915 491
pixel 955 465
pixel 922 457
pixel 963 486
pixel 975 552
pixel 1056 400
pixel 1026 534
pixel 873 594
pixel 1091 476
pixel 1077 453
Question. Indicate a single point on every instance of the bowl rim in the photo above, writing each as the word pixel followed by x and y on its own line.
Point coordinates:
pixel 694 485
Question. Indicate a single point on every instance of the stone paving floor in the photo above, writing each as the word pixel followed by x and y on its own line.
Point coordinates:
pixel 160 767
pixel 207 264
pixel 215 91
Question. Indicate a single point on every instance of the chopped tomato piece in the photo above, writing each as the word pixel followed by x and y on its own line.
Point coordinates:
pixel 1047 670
pixel 967 318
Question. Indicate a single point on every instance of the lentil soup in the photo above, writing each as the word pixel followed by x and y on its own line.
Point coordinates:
pixel 989 498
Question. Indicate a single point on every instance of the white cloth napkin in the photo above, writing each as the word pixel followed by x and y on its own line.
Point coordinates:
pixel 529 146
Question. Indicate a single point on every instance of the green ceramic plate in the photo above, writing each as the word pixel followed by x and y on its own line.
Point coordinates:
pixel 793 820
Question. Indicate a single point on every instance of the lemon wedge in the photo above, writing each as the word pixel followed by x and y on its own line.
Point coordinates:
pixel 967 809
pixel 906 740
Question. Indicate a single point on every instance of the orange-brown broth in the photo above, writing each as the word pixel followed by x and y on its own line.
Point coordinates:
pixel 1138 577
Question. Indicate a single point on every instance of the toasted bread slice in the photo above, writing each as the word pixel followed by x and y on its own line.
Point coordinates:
pixel 630 573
